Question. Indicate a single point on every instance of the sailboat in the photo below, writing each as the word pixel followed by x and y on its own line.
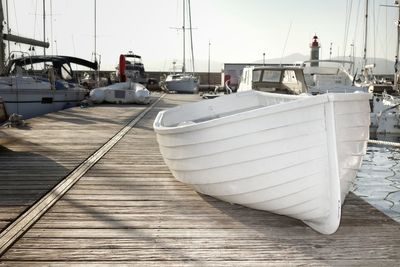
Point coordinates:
pixel 183 82
pixel 35 85
pixel 385 111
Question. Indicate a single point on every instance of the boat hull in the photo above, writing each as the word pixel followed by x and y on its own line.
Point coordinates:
pixel 38 99
pixel 291 155
pixel 182 84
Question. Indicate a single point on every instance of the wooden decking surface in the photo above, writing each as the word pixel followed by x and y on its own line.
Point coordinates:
pixel 129 210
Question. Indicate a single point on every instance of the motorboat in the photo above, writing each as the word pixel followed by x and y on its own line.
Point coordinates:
pixel 125 92
pixel 385 111
pixel 35 85
pixel 134 69
pixel 284 80
pixel 292 154
pixel 332 76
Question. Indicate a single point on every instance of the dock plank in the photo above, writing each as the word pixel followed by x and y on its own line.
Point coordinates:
pixel 129 210
pixel 35 158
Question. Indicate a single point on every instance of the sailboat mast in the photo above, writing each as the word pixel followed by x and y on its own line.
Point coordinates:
pixel 191 36
pixel 44 26
pixel 14 38
pixel 395 82
pixel 183 30
pixel 2 48
pixel 396 59
pixel 398 35
pixel 366 33
pixel 95 30
pixel 8 29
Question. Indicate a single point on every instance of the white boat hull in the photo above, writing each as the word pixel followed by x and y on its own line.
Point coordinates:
pixel 385 115
pixel 182 84
pixel 291 155
pixel 34 98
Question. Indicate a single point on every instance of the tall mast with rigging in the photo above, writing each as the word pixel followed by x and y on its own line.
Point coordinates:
pixel 396 71
pixel 366 33
pixel 396 60
pixel 14 38
pixel 191 36
pixel 184 37
pixel 44 26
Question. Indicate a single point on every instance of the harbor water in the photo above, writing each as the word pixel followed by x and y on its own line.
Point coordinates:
pixel 378 180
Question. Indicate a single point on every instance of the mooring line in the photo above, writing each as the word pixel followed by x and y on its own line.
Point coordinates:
pixel 384 143
pixel 16 229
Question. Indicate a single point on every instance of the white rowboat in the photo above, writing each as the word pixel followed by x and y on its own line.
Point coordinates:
pixel 291 155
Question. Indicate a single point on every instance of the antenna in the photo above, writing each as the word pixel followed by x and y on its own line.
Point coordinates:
pixel 284 47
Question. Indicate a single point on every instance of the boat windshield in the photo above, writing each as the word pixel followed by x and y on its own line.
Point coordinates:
pixel 39 69
pixel 256 75
pixel 271 76
pixel 289 77
pixel 133 67
pixel 278 80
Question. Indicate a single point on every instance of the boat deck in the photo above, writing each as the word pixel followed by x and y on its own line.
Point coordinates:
pixel 76 190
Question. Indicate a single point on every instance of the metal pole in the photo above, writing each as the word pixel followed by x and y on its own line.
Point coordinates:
pixel 8 30
pixel 366 33
pixel 183 30
pixel 396 61
pixel 19 39
pixel 2 48
pixel 51 27
pixel 353 58
pixel 44 25
pixel 95 30
pixel 397 51
pixel 264 59
pixel 209 45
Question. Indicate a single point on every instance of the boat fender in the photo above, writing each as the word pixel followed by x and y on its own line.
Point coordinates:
pixel 122 67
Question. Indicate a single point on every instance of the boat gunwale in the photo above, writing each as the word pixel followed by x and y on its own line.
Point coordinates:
pixel 302 101
pixel 271 109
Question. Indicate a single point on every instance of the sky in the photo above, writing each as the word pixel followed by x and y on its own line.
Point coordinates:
pixel 226 31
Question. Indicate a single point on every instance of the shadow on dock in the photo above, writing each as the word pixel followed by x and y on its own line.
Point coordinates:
pixel 24 178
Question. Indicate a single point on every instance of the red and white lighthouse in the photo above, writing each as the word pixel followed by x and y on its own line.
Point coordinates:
pixel 315 46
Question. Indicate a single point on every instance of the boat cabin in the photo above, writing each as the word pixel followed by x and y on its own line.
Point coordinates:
pixel 41 66
pixel 283 80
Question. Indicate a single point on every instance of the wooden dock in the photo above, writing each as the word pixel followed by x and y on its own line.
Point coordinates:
pixel 127 209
